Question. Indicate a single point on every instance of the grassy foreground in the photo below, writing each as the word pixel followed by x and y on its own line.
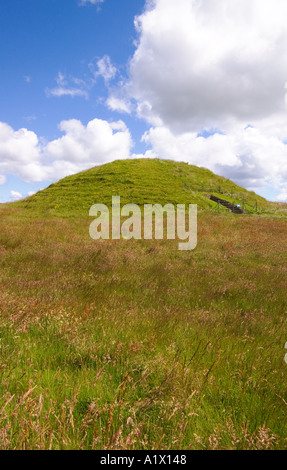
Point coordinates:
pixel 135 345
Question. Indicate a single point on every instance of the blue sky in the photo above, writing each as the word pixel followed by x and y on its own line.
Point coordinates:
pixel 84 82
pixel 41 39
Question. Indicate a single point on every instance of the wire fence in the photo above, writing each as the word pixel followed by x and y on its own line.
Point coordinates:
pixel 240 201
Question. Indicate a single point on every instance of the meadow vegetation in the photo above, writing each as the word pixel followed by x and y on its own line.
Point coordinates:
pixel 135 345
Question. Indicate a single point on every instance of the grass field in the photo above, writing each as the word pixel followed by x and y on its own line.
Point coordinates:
pixel 135 345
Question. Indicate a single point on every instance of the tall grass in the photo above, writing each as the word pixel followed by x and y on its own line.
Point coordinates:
pixel 135 345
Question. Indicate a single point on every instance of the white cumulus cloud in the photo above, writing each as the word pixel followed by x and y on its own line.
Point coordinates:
pixel 2 179
pixel 85 146
pixel 80 148
pixel 15 195
pixel 205 65
pixel 20 153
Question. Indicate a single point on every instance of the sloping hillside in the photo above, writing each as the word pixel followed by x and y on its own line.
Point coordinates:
pixel 140 181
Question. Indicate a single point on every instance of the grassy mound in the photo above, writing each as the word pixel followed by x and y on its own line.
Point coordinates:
pixel 140 181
